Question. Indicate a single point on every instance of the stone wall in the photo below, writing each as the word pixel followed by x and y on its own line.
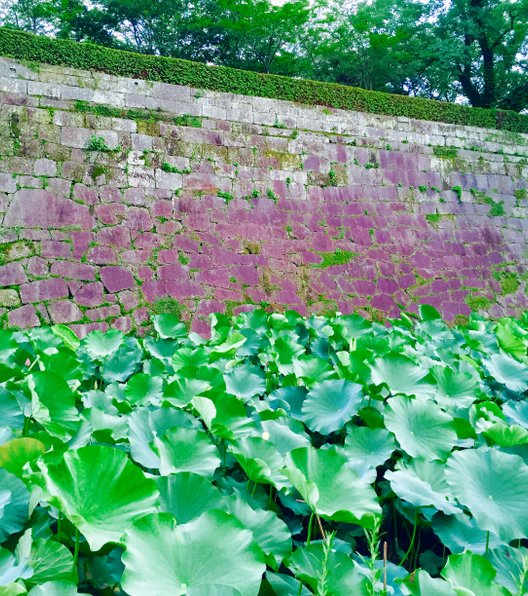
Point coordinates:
pixel 120 197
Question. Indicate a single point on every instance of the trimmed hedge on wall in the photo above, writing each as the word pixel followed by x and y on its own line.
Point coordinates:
pixel 26 46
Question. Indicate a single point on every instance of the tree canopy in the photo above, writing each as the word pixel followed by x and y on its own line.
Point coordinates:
pixel 473 51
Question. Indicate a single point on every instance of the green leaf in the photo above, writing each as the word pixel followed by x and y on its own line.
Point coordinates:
pixel 456 389
pixel 330 404
pixel 122 363
pixel 17 452
pixel 53 404
pixel 67 335
pixel 508 371
pixel 100 345
pixel 49 560
pixel 10 569
pixel 421 583
pixel 494 487
pixel 342 576
pixel 182 390
pixel 473 573
pixel 11 415
pixel 187 450
pixel 60 588
pixel 461 532
pixel 269 532
pixel 372 446
pixel 187 496
pixel 146 423
pixel 260 460
pixel 511 565
pixel 420 427
pixel 330 487
pixel 422 484
pixel 401 375
pixel 142 389
pixel 213 550
pixel 100 491
pixel 169 326
pixel 245 381
pixel 14 505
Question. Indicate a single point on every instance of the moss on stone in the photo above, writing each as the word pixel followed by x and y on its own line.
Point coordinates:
pixel 337 257
pixel 476 302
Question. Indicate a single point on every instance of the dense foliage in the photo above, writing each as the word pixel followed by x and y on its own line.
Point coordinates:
pixel 285 455
pixel 440 49
pixel 25 46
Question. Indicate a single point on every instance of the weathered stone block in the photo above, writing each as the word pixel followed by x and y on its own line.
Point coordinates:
pixel 116 279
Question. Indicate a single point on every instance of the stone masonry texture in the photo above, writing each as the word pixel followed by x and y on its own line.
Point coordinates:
pixel 120 198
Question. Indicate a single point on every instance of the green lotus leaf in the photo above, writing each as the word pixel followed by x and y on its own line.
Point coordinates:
pixel 512 338
pixel 146 423
pixel 285 585
pixel 516 412
pixel 13 589
pixel 401 375
pixel 53 404
pixel 120 365
pixel 420 427
pixel 142 389
pixel 455 390
pixel 225 416
pixel 506 435
pixel 508 371
pixel 48 560
pixel 245 381
pixel 14 504
pixel 104 416
pixel 260 460
pixel 181 391
pixel 342 576
pixel 330 487
pixel 187 450
pixel 59 588
pixel 16 453
pixel 100 345
pixel 421 583
pixel 11 415
pixel 67 336
pixel 330 404
pixel 473 574
pixel 422 484
pixel 461 532
pixel 100 491
pixel 511 565
pixel 494 487
pixel 187 495
pixel 312 369
pixel 169 326
pixel 285 434
pixel 214 549
pixel 11 570
pixel 372 446
pixel 289 399
pixel 269 532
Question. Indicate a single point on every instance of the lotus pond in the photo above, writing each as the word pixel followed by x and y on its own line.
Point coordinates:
pixel 284 455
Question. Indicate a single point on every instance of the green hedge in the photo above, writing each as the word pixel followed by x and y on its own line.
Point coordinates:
pixel 26 46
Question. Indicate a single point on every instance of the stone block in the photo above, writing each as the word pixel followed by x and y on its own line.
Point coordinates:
pixel 12 274
pixel 44 289
pixel 23 317
pixel 42 209
pixel 45 167
pixel 116 279
pixel 64 311
pixel 9 298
